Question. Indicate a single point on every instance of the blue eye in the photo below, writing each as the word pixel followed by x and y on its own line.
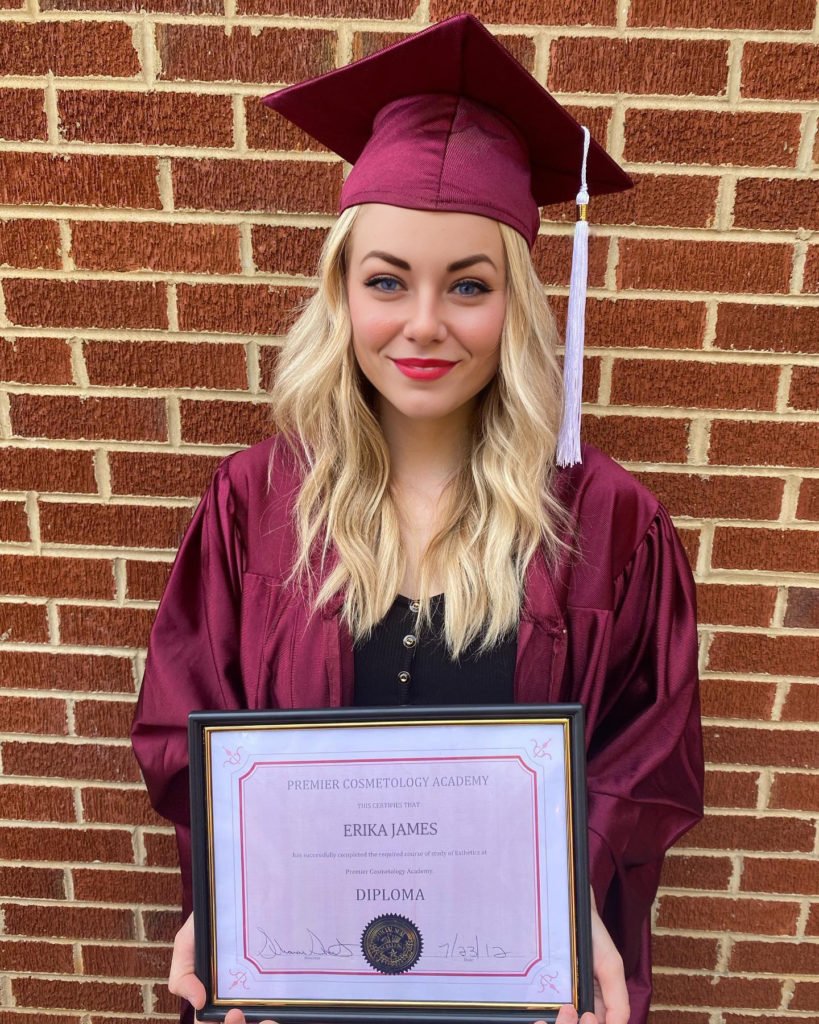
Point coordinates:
pixel 383 284
pixel 470 288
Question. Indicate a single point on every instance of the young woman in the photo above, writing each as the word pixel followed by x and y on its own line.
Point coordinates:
pixel 407 538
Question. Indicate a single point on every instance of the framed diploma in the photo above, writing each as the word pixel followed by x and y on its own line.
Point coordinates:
pixel 391 864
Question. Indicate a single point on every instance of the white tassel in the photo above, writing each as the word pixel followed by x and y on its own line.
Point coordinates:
pixel 568 438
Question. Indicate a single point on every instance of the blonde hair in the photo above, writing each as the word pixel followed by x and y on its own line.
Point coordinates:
pixel 500 506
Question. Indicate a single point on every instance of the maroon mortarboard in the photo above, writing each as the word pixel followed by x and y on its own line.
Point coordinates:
pixel 447 119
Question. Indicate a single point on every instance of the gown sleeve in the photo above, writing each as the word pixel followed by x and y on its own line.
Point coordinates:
pixel 645 761
pixel 193 656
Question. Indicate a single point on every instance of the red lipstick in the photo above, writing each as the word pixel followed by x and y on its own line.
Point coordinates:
pixel 424 369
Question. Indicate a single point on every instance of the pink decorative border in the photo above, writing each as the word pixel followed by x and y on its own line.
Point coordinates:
pixel 394 760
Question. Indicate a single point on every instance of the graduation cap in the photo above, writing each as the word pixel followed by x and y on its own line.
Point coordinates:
pixel 447 119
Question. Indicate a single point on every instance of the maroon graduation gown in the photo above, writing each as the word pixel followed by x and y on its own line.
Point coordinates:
pixel 612 628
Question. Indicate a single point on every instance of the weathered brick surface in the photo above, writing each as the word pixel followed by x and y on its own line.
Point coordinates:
pixel 38 715
pixel 239 423
pixel 804 388
pixel 22 116
pixel 552 257
pixel 773 874
pixel 670 265
pixel 110 718
pixel 677 67
pixel 776 203
pixel 728 497
pixel 672 200
pixel 109 885
pixel 392 9
pixel 32 883
pixel 765 443
pixel 123 6
pixel 63 416
pixel 145 580
pixel 68 48
pixel 35 303
pixel 645 323
pixel 206 53
pixel 637 438
pixel 118 806
pixel 719 914
pixel 160 474
pixel 78 179
pixel 773 328
pixel 286 250
pixel 693 384
pixel 13 521
pixel 736 698
pixel 788 71
pixel 720 603
pixel 712 137
pixel 30 243
pixel 23 623
pixel 136 526
pixel 688 871
pixel 39 670
pixel 84 995
pixel 87 761
pixel 175 248
pixel 795 791
pixel 751 548
pixel 731 789
pixel 162 364
pixel 684 951
pixel 751 652
pixel 104 627
pixel 38 469
pixel 268 131
pixel 35 360
pixel 56 577
pixel 530 12
pixel 803 607
pixel 238 308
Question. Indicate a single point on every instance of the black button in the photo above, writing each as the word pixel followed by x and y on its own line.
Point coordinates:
pixel 404 677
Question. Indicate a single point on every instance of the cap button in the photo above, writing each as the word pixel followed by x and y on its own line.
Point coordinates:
pixel 409 641
pixel 415 606
pixel 404 677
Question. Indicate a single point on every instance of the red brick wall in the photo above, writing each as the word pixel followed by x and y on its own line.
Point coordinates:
pixel 155 233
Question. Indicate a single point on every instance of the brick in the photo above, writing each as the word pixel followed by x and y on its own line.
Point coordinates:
pixel 32 883
pixel 13 522
pixel 638 438
pixel 36 803
pixel 84 995
pixel 743 832
pixel 174 248
pixel 106 885
pixel 789 550
pixel 773 957
pixel 723 497
pixel 237 423
pixel 677 1017
pixel 804 388
pixel 37 715
pixel 727 914
pixel 42 469
pixel 719 991
pixel 701 385
pixel 684 951
pixel 597 120
pixel 808 506
pixel 268 131
pixel 645 323
pixel 690 539
pixel 674 265
pixel 795 791
pixel 36 957
pixel 386 9
pixel 530 12
pixel 57 577
pixel 268 360
pixel 122 6
pixel 786 748
pixel 207 53
pixel 162 364
pixel 676 67
pixel 126 961
pixel 132 526
pixel 673 200
pixel 23 623
pixel 117 304
pixel 805 996
pixel 552 257
pixel 801 703
pixel 100 762
pixel 763 444
pixel 811 280
pixel 774 14
pixel 105 627
pixel 803 608
pixel 40 670
pixel 280 249
pixel 161 850
pixel 163 1000
pixel 35 360
pixel 691 872
pixel 736 698
pixel 30 244
pixel 78 179
pixel 161 925
pixel 266 186
pixel 731 789
pixel 238 308
pixel 118 807
pixel 750 327
pixel 63 416
pixel 103 717
pixel 159 474
pixel 22 113
pixel 591 379
pixel 780 875
pixel 154 118
pixel 521 47
pixel 780 71
pixel 69 49
pixel 145 581
pixel 776 203
pixel 79 843
pixel 712 137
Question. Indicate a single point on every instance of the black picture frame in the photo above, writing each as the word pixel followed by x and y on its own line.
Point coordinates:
pixel 202 722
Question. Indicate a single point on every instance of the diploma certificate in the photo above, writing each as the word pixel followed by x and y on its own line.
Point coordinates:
pixel 419 865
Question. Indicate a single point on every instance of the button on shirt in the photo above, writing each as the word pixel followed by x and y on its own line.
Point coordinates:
pixel 396 665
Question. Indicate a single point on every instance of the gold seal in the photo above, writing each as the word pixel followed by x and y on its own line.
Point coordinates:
pixel 391 944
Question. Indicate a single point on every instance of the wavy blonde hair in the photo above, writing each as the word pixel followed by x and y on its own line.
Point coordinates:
pixel 499 508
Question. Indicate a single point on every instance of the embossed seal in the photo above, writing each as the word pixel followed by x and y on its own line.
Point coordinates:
pixel 391 944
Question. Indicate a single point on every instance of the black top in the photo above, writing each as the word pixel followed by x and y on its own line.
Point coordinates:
pixel 396 666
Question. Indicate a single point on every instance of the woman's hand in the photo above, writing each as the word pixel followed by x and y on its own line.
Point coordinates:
pixel 183 982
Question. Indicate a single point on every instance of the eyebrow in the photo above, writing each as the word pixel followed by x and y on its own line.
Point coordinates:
pixel 468 261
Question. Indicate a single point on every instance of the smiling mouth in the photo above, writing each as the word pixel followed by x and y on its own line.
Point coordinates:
pixel 423 364
pixel 424 369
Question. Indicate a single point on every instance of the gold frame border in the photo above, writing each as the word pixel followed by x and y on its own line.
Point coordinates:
pixel 565 722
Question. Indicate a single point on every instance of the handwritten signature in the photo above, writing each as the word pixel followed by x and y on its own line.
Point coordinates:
pixel 316 947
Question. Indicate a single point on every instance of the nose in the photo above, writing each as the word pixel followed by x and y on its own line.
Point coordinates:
pixel 425 324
